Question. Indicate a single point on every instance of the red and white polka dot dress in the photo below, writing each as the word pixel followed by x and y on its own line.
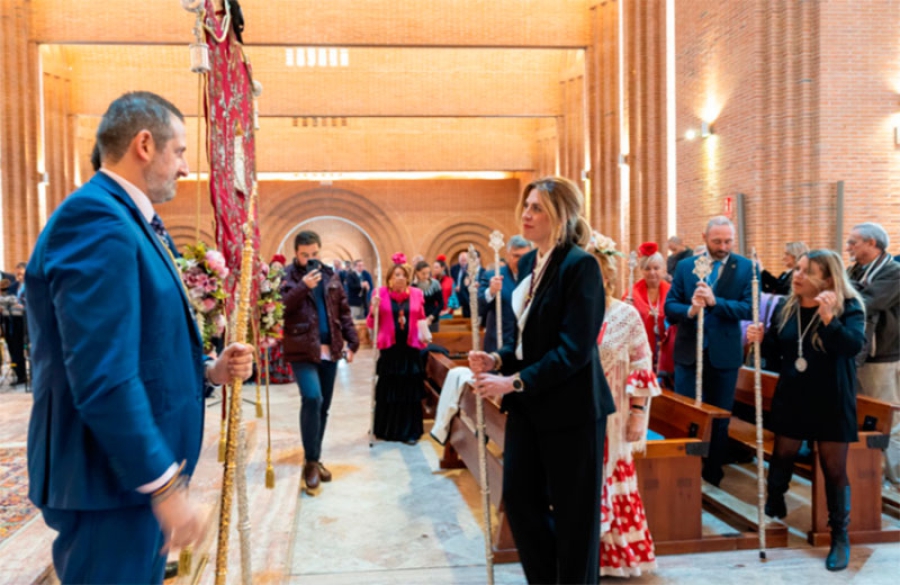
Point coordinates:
pixel 626 546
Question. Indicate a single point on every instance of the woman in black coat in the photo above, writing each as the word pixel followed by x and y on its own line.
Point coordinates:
pixel 554 392
pixel 816 332
pixel 781 285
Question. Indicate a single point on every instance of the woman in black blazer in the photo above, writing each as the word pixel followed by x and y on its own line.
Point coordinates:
pixel 554 392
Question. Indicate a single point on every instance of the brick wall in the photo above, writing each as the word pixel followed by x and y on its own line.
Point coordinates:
pixel 427 217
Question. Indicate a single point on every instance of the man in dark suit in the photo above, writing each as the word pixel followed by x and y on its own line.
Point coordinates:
pixel 505 283
pixel 726 297
pixel 119 371
pixel 14 324
pixel 359 288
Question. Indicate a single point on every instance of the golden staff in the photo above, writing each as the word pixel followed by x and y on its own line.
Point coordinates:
pixel 270 471
pixel 702 268
pixel 474 265
pixel 243 314
pixel 757 398
pixel 496 244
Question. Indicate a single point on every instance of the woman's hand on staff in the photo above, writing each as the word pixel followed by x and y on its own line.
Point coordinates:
pixel 755 332
pixel 493 385
pixel 480 362
pixel 827 302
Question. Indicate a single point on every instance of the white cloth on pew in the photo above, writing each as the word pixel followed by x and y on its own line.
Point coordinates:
pixel 448 404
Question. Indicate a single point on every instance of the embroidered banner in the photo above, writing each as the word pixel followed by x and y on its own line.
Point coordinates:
pixel 230 143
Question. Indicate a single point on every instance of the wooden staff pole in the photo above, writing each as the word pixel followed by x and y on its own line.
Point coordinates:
pixel 474 265
pixel 376 303
pixel 757 399
pixel 702 268
pixel 497 244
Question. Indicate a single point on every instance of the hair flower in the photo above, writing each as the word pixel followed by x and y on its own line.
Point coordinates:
pixel 648 249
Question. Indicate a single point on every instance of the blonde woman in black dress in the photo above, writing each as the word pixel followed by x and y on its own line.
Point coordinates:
pixel 816 332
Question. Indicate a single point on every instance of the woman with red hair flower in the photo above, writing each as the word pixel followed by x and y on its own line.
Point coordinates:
pixel 649 298
pixel 399 390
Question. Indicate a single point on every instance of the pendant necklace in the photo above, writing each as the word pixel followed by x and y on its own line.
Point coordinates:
pixel 800 363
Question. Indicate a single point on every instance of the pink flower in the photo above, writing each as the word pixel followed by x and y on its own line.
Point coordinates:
pixel 220 323
pixel 269 307
pixel 208 305
pixel 216 263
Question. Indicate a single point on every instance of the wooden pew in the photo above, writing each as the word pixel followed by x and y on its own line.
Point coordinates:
pixel 670 484
pixel 864 463
pixel 668 472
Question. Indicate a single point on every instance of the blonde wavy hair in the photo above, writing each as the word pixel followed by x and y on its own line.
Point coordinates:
pixel 604 250
pixel 832 266
pixel 564 203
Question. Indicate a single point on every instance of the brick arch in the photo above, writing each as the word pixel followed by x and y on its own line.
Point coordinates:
pixel 184 235
pixel 452 236
pixel 283 217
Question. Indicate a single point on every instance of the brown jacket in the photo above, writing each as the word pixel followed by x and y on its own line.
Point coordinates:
pixel 301 319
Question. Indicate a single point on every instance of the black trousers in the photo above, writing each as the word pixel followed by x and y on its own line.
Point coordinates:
pixel 718 390
pixel 551 488
pixel 14 328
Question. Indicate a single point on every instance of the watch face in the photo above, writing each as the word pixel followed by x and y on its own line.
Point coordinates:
pixel 517 384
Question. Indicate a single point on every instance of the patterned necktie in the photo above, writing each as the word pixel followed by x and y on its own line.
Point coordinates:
pixel 714 274
pixel 157 224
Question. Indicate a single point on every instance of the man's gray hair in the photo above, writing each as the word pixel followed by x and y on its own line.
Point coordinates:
pixel 718 220
pixel 873 231
pixel 128 115
pixel 518 242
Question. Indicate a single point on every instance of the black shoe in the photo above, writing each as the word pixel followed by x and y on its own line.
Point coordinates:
pixel 712 477
pixel 838 498
pixel 775 506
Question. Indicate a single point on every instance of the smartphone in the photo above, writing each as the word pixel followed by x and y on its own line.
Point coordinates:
pixel 313 264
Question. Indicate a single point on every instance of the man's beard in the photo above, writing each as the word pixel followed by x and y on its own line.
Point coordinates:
pixel 162 193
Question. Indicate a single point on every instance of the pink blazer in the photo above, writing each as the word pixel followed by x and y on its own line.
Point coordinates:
pixel 386 333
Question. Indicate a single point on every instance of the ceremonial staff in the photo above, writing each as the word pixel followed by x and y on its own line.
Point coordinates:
pixel 702 268
pixel 472 269
pixel 632 264
pixel 757 398
pixel 377 306
pixel 497 244
pixel 243 315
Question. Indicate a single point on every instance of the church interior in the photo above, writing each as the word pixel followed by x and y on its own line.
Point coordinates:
pixel 413 126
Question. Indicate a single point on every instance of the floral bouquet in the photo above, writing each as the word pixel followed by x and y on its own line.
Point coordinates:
pixel 271 309
pixel 203 273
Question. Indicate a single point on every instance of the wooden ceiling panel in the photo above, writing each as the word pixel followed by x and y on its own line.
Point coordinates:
pixel 374 144
pixel 422 23
pixel 376 82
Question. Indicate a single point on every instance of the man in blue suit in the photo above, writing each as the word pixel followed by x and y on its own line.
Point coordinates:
pixel 505 283
pixel 119 370
pixel 726 296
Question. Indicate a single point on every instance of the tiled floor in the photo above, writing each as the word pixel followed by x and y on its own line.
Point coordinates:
pixel 392 516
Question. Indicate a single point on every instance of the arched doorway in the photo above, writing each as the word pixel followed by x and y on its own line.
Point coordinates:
pixel 336 247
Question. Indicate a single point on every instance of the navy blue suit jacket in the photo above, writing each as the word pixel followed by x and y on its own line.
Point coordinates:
pixel 722 323
pixel 560 365
pixel 487 311
pixel 117 357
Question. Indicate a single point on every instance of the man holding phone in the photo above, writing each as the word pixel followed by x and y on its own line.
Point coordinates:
pixel 317 324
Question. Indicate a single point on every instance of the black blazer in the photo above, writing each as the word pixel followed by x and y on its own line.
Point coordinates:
pixel 564 382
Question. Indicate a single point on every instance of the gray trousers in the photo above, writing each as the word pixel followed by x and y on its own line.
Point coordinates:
pixel 882 381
